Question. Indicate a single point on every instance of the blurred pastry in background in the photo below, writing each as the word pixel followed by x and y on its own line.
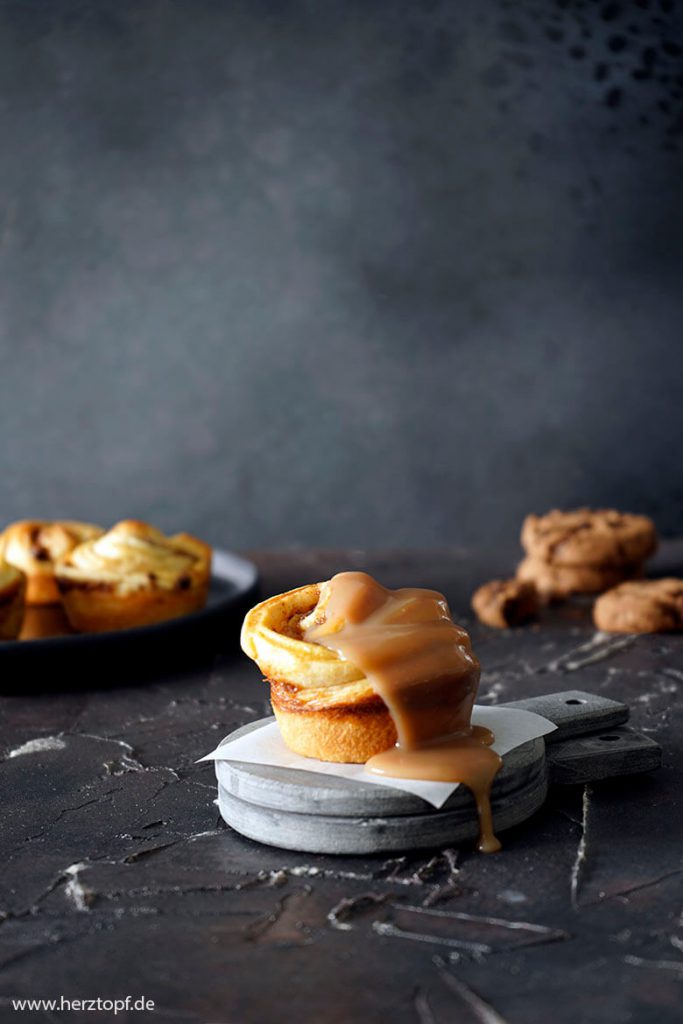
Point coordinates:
pixel 505 603
pixel 133 575
pixel 12 601
pixel 34 545
pixel 584 551
pixel 645 606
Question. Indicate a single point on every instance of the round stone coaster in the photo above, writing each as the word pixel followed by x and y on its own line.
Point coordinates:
pixel 316 813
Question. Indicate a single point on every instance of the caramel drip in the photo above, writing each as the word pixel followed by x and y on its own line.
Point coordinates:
pixel 422 666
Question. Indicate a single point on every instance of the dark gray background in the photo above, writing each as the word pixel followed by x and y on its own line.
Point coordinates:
pixel 340 273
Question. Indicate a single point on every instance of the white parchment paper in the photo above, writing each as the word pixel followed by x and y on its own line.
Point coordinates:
pixel 511 726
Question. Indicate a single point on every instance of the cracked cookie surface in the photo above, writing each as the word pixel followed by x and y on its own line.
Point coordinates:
pixel 602 537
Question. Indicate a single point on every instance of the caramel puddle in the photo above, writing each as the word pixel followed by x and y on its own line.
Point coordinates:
pixel 422 666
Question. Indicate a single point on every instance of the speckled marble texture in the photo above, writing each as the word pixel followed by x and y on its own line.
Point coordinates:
pixel 119 878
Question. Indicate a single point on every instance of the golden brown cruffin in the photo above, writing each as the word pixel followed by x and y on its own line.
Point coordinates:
pixel 12 600
pixel 324 705
pixel 34 545
pixel 133 576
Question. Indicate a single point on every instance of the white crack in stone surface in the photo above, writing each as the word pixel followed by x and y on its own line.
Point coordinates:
pixel 38 745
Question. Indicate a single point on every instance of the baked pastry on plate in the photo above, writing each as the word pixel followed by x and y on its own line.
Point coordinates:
pixel 12 601
pixel 34 545
pixel 133 575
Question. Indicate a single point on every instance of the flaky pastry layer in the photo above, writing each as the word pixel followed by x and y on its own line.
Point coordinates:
pixel 135 556
pixel 272 637
pixel 133 576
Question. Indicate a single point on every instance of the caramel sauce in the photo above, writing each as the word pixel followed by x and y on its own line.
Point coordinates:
pixel 422 666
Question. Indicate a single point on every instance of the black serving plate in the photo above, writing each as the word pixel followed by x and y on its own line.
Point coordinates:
pixel 129 655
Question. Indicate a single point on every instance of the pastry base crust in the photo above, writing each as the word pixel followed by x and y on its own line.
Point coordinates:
pixel 12 604
pixel 99 608
pixel 346 733
pixel 41 589
pixel 42 621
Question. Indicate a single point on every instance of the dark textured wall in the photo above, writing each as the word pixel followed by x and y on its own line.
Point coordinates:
pixel 359 272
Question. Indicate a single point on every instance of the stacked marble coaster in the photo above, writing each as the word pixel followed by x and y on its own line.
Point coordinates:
pixel 316 813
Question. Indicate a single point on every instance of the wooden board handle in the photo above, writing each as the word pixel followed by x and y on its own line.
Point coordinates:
pixel 590 742
pixel 602 755
pixel 574 712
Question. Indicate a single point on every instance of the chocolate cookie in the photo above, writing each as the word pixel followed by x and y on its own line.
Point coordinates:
pixel 645 606
pixel 556 582
pixel 585 537
pixel 503 603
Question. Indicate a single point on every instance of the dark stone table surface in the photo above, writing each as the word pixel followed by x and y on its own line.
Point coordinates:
pixel 118 877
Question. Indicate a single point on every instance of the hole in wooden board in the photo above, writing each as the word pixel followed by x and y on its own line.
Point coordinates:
pixel 575 701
